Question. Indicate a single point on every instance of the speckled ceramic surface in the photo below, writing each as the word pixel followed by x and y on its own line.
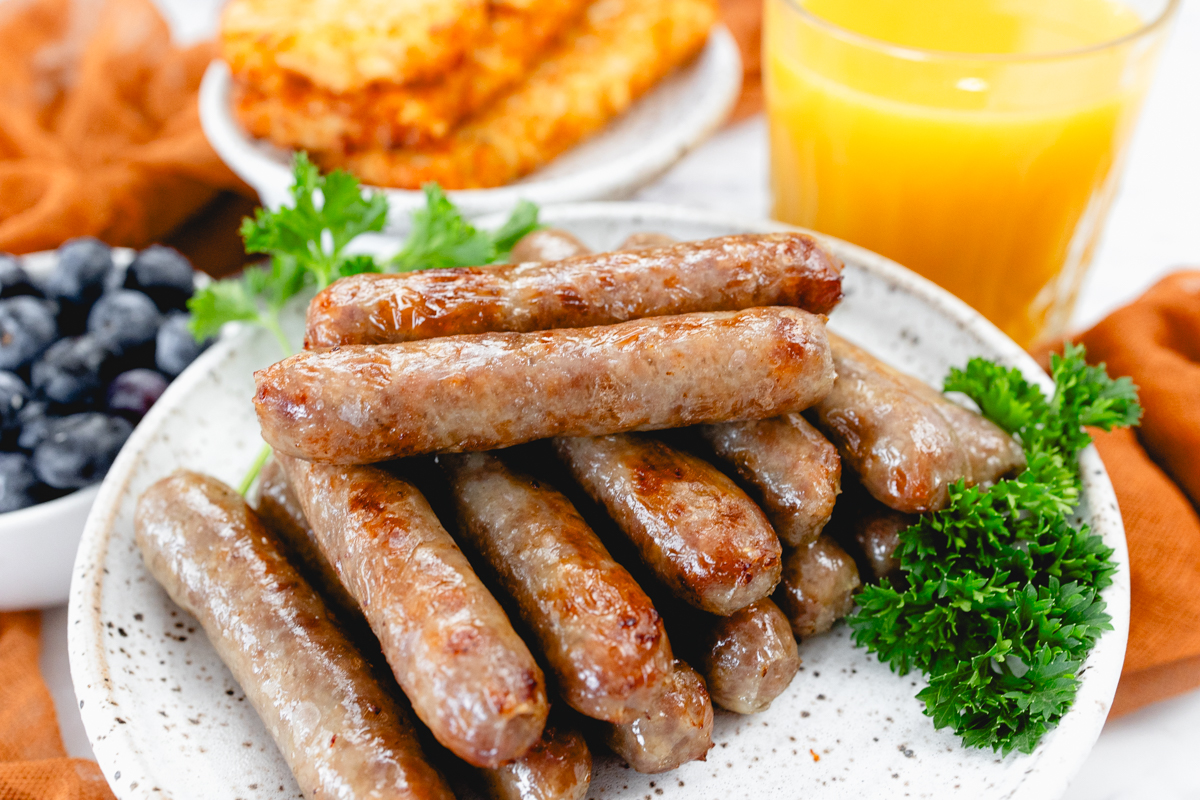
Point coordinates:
pixel 633 150
pixel 166 719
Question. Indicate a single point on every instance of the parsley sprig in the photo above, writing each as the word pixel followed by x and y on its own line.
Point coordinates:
pixel 308 241
pixel 997 601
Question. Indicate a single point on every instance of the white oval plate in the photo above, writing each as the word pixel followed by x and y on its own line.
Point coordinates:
pixel 636 148
pixel 166 719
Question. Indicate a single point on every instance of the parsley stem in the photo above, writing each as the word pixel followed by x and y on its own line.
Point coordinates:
pixel 255 468
pixel 270 321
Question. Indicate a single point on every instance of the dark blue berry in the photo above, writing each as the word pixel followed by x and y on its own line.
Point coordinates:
pixel 164 274
pixel 27 328
pixel 132 393
pixel 14 394
pixel 70 372
pixel 175 346
pixel 35 420
pixel 78 279
pixel 79 449
pixel 124 321
pixel 16 481
pixel 14 280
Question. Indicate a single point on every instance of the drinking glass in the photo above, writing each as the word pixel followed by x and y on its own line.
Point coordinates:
pixel 987 167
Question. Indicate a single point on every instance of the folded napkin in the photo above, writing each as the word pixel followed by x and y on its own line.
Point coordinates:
pixel 33 763
pixel 744 20
pixel 1156 475
pixel 99 128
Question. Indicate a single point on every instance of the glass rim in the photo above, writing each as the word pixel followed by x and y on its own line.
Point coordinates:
pixel 909 53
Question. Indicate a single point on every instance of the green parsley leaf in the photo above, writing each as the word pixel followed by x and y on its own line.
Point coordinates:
pixel 327 213
pixel 441 236
pixel 997 599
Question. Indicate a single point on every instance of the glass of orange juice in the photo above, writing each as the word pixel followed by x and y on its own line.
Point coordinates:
pixel 978 142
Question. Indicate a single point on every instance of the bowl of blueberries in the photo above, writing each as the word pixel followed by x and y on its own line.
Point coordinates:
pixel 90 337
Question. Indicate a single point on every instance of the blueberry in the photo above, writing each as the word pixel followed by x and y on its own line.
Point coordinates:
pixel 70 372
pixel 14 280
pixel 164 274
pixel 79 449
pixel 27 328
pixel 14 394
pixel 16 481
pixel 175 346
pixel 132 393
pixel 35 420
pixel 124 321
pixel 77 280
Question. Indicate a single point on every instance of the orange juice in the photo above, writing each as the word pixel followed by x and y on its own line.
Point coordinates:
pixel 975 141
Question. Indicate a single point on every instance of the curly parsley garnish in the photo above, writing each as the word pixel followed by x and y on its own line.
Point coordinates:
pixel 998 597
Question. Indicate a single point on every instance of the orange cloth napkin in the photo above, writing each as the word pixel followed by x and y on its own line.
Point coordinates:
pixel 33 763
pixel 744 20
pixel 1156 341
pixel 99 128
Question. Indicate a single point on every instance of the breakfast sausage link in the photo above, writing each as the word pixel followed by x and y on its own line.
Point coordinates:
pixel 558 767
pixel 722 274
pixel 793 470
pixel 546 244
pixel 483 391
pixel 469 676
pixel 905 440
pixel 748 658
pixel 279 507
pixel 819 582
pixel 673 728
pixel 694 528
pixel 340 733
pixel 599 633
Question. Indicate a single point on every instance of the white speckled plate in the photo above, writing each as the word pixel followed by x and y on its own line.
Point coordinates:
pixel 166 719
pixel 633 150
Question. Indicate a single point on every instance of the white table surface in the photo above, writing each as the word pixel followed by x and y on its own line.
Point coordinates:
pixel 1154 227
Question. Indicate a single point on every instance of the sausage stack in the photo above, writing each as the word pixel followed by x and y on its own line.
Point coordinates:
pixel 639 577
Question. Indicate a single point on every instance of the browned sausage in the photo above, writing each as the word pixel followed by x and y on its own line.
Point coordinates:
pixel 673 728
pixel 723 274
pixel 597 630
pixel 643 241
pixel 469 676
pixel 479 392
pixel 694 528
pixel 545 244
pixel 794 471
pixel 818 586
pixel 748 658
pixel 280 509
pixel 906 441
pixel 878 535
pixel 558 767
pixel 340 733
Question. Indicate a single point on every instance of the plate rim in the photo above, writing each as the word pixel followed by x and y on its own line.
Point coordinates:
pixel 89 669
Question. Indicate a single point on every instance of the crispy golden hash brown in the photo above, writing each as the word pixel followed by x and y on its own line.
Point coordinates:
pixel 618 51
pixel 296 113
pixel 343 45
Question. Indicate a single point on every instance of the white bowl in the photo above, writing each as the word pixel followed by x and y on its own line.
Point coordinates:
pixel 631 152
pixel 166 719
pixel 38 544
